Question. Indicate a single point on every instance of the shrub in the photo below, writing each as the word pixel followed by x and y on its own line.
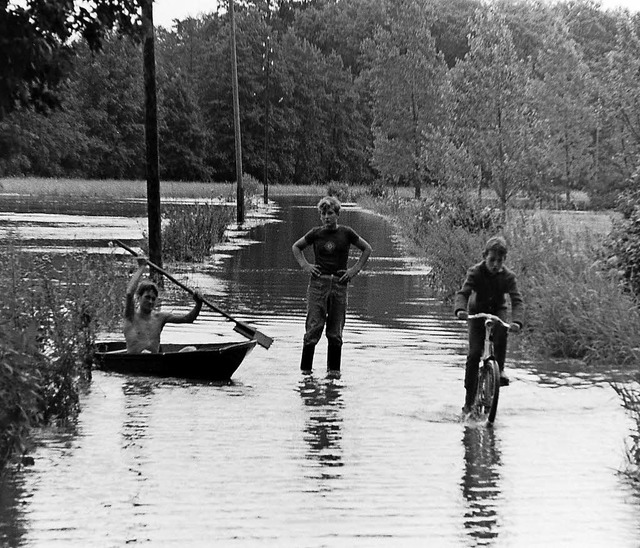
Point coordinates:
pixel 191 232
pixel 622 248
pixel 572 308
pixel 48 321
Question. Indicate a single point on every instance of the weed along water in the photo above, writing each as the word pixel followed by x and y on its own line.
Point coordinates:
pixel 377 457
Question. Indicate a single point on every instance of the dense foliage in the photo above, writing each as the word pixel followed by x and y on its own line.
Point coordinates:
pixel 49 316
pixel 523 98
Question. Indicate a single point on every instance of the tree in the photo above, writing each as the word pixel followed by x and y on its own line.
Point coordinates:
pixel 562 95
pixel 493 118
pixel 621 99
pixel 35 44
pixel 183 138
pixel 408 83
pixel 109 101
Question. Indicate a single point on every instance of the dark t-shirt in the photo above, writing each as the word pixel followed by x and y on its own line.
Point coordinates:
pixel 331 247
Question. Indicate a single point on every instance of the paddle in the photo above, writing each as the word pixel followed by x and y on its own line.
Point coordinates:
pixel 242 328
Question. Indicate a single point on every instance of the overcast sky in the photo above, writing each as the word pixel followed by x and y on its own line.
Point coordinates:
pixel 165 11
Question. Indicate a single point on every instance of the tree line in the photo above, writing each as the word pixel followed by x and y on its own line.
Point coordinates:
pixel 520 97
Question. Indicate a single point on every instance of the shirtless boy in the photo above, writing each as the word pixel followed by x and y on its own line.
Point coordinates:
pixel 143 324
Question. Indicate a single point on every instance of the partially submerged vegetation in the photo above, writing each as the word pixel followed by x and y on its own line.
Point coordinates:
pixel 49 317
pixel 581 301
pixel 52 309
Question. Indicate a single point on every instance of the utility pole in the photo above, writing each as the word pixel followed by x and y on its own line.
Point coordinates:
pixel 236 118
pixel 267 103
pixel 267 109
pixel 151 138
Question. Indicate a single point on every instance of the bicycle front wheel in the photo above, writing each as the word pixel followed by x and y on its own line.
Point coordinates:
pixel 488 389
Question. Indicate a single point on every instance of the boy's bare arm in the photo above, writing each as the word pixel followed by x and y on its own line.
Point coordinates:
pixel 297 248
pixel 191 316
pixel 363 246
pixel 129 304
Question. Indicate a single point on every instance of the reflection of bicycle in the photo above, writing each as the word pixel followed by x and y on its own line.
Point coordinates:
pixel 488 390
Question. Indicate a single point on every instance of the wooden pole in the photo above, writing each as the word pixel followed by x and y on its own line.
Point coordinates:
pixel 266 127
pixel 236 118
pixel 151 138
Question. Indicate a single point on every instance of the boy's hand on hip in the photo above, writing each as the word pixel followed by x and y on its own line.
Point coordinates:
pixel 515 327
pixel 462 315
pixel 312 269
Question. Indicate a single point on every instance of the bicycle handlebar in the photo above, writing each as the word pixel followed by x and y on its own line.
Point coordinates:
pixel 489 318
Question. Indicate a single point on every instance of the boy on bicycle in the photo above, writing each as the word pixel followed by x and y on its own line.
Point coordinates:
pixel 484 290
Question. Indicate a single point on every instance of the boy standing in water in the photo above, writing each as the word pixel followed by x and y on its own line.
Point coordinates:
pixel 483 291
pixel 327 290
pixel 143 323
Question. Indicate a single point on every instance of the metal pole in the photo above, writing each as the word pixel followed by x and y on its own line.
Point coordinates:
pixel 236 118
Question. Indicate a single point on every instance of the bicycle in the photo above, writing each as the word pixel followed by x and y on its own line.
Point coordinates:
pixel 488 389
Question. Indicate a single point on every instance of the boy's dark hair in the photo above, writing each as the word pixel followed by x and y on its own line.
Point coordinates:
pixel 497 244
pixel 146 285
pixel 329 202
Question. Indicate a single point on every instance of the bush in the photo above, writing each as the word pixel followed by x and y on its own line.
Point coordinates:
pixel 572 308
pixel 622 248
pixel 48 321
pixel 191 232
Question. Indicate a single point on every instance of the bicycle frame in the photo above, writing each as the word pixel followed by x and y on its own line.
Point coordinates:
pixel 488 386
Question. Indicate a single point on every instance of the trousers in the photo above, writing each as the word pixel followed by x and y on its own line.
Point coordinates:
pixel 476 348
pixel 326 305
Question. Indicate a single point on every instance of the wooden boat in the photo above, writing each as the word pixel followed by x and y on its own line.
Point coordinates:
pixel 214 361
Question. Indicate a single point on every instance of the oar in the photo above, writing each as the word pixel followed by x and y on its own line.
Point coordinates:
pixel 240 327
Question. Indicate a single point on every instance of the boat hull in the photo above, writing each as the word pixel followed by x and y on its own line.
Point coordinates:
pixel 216 361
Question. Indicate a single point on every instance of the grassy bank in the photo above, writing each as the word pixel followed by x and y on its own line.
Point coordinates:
pixel 51 310
pixel 49 316
pixel 576 308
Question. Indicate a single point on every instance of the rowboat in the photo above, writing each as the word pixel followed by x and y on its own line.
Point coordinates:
pixel 213 361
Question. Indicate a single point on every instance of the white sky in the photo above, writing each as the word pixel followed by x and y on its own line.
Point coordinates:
pixel 165 11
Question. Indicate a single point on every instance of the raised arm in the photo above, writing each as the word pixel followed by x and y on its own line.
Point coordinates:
pixel 191 316
pixel 129 303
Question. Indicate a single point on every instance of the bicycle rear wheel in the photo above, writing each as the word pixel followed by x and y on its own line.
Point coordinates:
pixel 488 389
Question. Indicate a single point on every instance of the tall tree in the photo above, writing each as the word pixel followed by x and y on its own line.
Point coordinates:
pixel 621 99
pixel 408 83
pixel 35 43
pixel 562 95
pixel 493 118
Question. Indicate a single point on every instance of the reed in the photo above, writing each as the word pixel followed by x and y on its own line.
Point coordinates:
pixel 190 232
pixel 574 308
pixel 49 318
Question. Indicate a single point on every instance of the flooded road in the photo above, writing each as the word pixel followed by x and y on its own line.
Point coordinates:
pixel 379 457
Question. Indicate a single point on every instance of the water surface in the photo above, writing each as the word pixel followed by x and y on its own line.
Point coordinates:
pixel 378 457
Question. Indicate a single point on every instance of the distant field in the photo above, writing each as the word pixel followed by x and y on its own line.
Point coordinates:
pixel 572 222
pixel 31 186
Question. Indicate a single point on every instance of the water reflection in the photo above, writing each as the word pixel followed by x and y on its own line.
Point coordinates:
pixel 12 520
pixel 480 483
pixel 323 404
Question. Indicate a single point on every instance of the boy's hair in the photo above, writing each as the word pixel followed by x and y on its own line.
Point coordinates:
pixel 329 202
pixel 497 244
pixel 146 285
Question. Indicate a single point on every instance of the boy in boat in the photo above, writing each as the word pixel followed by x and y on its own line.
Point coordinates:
pixel 327 290
pixel 484 290
pixel 143 323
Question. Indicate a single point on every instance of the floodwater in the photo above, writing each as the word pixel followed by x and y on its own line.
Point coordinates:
pixel 378 457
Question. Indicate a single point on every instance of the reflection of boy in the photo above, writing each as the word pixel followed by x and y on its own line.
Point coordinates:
pixel 483 291
pixel 327 291
pixel 143 323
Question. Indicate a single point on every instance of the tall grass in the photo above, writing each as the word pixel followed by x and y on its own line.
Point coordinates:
pixel 49 316
pixel 574 309
pixel 191 232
